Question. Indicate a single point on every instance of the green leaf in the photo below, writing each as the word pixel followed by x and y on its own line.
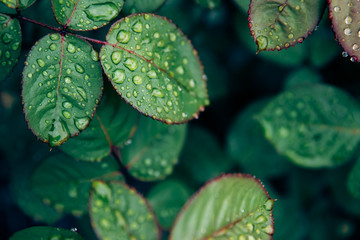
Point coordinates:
pixel 137 6
pixel 275 24
pixel 19 4
pixel 167 198
pixel 154 67
pixel 314 127
pixel 211 4
pixel 86 15
pixel 202 158
pixel 10 44
pixel 113 124
pixel 230 207
pixel 39 233
pixel 65 183
pixel 243 5
pixel 353 181
pixel 345 19
pixel 247 145
pixel 154 149
pixel 119 212
pixel 302 78
pixel 62 84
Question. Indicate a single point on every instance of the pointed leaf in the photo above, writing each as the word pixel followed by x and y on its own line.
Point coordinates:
pixel 65 183
pixel 229 207
pixel 10 44
pixel 36 233
pixel 345 18
pixel 62 84
pixel 275 24
pixel 86 15
pixel 136 6
pixel 113 124
pixel 313 127
pixel 353 181
pixel 154 67
pixel 153 150
pixel 19 4
pixel 119 212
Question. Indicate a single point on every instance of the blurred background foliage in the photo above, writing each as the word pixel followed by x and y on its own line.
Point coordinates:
pixel 311 203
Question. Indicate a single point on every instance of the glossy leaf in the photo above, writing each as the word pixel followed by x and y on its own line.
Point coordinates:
pixel 211 4
pixel 119 212
pixel 37 233
pixel 62 84
pixel 137 6
pixel 19 4
pixel 345 18
pixel 230 207
pixel 65 183
pixel 153 150
pixel 113 124
pixel 86 15
pixel 155 68
pixel 10 44
pixel 313 127
pixel 275 24
pixel 167 198
pixel 353 181
pixel 247 145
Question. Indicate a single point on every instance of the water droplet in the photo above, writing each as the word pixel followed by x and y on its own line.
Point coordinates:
pixel 53 47
pixel 7 38
pixel 337 9
pixel 119 76
pixel 67 105
pixel 102 11
pixel 116 57
pixel 94 55
pixel 105 223
pixel 169 87
pixel 137 79
pixel 348 20
pixel 172 37
pixel 269 204
pixel 123 36
pixel 269 229
pixel 151 74
pixel 82 93
pixel 148 86
pixel 67 79
pixel 156 35
pixel 49 94
pixel 260 219
pixel 131 63
pixel 353 59
pixel 157 93
pixel 66 114
pixel 344 54
pixel 29 75
pixel 54 37
pixel 347 31
pixel 137 27
pixel 71 48
pixel 79 68
pixel 262 42
pixel 180 70
pixel 41 62
pixel 81 123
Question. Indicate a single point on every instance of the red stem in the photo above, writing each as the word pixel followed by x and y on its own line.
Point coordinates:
pixel 39 23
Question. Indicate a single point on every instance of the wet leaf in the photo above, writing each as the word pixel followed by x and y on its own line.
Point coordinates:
pixel 353 181
pixel 211 4
pixel 345 18
pixel 137 6
pixel 119 212
pixel 154 149
pixel 113 124
pixel 62 84
pixel 230 207
pixel 65 183
pixel 36 233
pixel 167 198
pixel 249 148
pixel 86 15
pixel 10 44
pixel 20 4
pixel 275 24
pixel 153 66
pixel 314 127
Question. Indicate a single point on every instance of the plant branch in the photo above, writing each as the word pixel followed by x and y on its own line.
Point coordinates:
pixel 20 17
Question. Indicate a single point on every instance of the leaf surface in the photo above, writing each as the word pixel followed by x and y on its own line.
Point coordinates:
pixel 230 207
pixel 62 84
pixel 153 66
pixel 65 183
pixel 211 4
pixel 113 124
pixel 19 4
pixel 345 18
pixel 84 15
pixel 275 24
pixel 36 233
pixel 137 6
pixel 10 44
pixel 153 150
pixel 119 212
pixel 353 181
pixel 313 127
